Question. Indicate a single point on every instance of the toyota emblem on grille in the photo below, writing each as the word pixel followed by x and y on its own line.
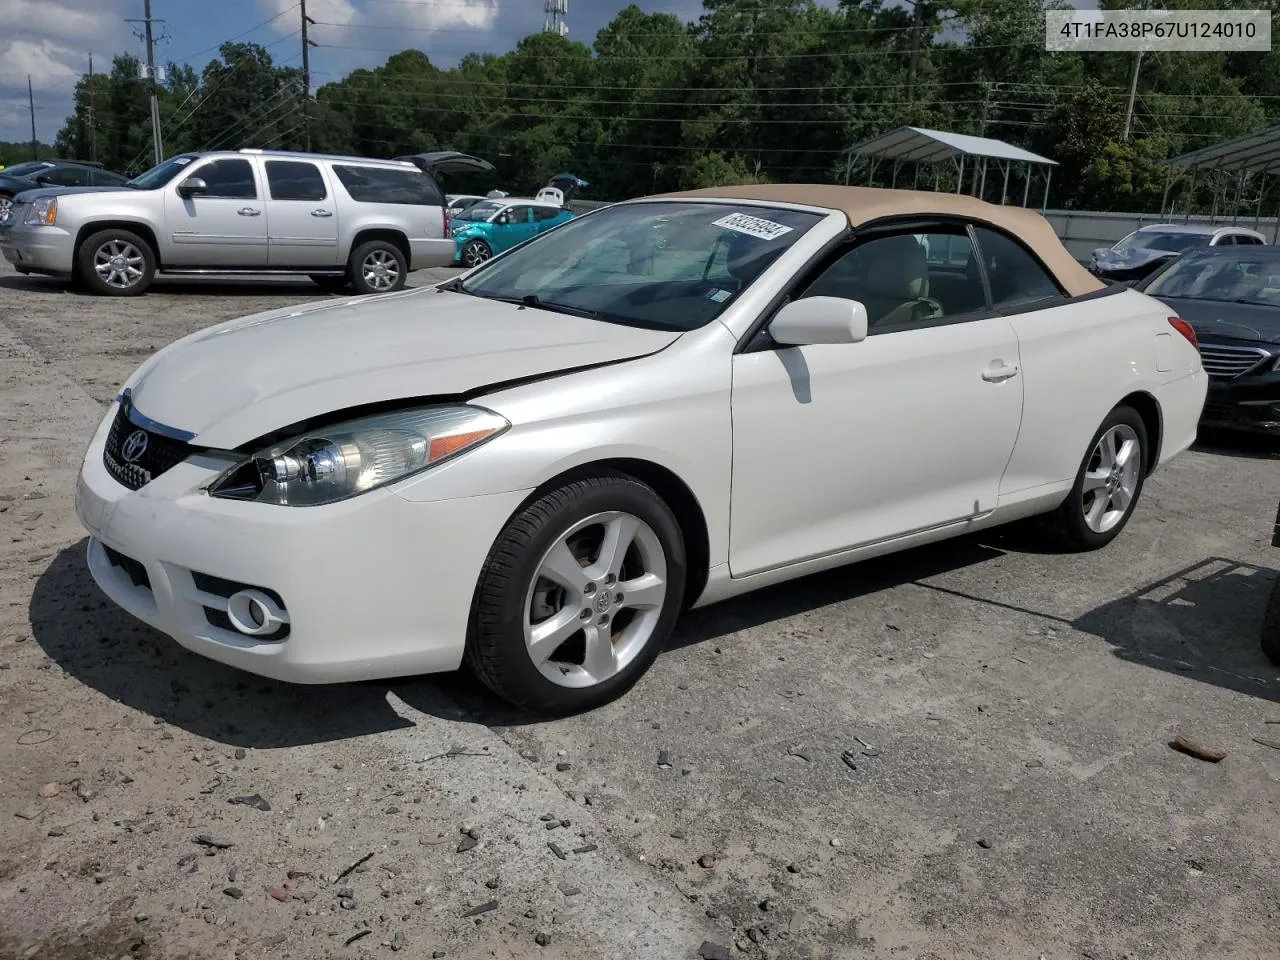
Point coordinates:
pixel 134 446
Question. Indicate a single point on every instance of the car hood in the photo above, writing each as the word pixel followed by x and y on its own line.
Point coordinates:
pixel 230 384
pixel 1214 319
pixel 29 196
pixel 1105 258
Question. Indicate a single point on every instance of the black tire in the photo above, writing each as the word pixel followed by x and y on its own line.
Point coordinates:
pixel 123 241
pixel 329 282
pixel 475 252
pixel 1067 523
pixel 496 650
pixel 1271 626
pixel 6 201
pixel 385 252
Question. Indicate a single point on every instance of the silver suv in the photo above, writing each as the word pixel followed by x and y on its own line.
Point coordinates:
pixel 339 220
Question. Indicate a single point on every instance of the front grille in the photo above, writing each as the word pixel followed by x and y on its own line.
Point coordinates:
pixel 1226 363
pixel 160 453
pixel 133 569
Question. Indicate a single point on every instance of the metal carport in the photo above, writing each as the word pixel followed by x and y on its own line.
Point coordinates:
pixel 918 146
pixel 1254 153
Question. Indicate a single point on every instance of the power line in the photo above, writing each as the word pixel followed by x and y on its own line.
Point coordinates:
pixel 219 45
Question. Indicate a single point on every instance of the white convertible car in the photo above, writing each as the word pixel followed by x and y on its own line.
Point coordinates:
pixel 535 467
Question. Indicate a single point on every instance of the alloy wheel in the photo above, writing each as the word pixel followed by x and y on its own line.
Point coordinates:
pixel 380 270
pixel 595 600
pixel 118 264
pixel 6 207
pixel 475 253
pixel 1111 478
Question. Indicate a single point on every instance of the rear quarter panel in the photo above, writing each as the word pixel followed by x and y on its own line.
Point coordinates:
pixel 1079 360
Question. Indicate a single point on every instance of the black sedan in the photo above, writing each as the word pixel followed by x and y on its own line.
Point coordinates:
pixel 52 173
pixel 1231 298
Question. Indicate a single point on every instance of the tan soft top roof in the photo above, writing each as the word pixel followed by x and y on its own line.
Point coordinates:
pixel 863 205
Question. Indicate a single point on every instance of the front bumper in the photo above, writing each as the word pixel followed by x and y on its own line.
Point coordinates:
pixel 1252 405
pixel 372 587
pixel 38 249
pixel 430 253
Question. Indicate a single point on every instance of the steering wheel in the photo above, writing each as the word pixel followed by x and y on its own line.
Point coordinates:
pixel 934 308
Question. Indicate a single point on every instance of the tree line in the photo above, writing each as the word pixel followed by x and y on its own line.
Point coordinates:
pixel 767 90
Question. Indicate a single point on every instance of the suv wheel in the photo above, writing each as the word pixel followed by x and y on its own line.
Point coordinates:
pixel 116 263
pixel 377 266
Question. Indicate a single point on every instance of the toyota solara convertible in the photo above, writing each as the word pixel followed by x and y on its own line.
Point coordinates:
pixel 534 467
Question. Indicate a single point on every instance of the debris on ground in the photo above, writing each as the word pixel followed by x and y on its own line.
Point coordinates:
pixel 1191 748
pixel 257 801
pixel 486 907
pixel 212 842
pixel 713 951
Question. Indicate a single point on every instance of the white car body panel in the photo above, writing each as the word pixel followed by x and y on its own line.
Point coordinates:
pixel 797 458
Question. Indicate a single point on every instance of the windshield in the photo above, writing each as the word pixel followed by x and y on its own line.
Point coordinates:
pixel 663 265
pixel 26 169
pixel 1233 279
pixel 160 174
pixel 1170 241
pixel 480 211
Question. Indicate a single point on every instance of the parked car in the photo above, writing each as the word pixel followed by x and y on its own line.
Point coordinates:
pixel 1231 298
pixel 536 466
pixel 456 203
pixel 52 173
pixel 1149 248
pixel 493 226
pixel 339 220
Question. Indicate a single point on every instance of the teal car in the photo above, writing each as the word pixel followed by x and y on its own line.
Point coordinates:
pixel 493 226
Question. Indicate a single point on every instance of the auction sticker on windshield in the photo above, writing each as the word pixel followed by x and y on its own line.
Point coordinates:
pixel 752 226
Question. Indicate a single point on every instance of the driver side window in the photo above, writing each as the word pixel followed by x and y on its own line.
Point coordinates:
pixel 906 279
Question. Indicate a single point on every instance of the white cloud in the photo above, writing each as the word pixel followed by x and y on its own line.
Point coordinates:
pixel 48 64
pixel 62 19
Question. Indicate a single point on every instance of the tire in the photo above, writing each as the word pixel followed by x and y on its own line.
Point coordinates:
pixel 377 266
pixel 116 263
pixel 1271 626
pixel 329 282
pixel 6 204
pixel 580 665
pixel 1079 524
pixel 475 252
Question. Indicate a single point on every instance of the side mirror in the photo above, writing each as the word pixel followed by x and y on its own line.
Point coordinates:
pixel 192 186
pixel 819 320
pixel 45 180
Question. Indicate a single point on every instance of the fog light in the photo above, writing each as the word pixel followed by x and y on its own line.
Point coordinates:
pixel 255 614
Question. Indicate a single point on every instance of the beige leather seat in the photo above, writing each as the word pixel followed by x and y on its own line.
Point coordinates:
pixel 896 282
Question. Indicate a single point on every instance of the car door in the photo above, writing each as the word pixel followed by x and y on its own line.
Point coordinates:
pixel 544 218
pixel 518 228
pixel 223 225
pixel 840 446
pixel 302 219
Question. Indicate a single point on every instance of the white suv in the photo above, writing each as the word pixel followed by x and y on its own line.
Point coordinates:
pixel 339 220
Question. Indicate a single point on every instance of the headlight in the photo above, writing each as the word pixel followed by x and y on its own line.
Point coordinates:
pixel 44 211
pixel 338 462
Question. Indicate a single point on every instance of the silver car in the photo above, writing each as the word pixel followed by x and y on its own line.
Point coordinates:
pixel 339 220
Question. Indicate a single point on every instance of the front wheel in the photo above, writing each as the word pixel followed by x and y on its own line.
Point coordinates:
pixel 475 253
pixel 377 266
pixel 1271 626
pixel 116 263
pixel 578 595
pixel 1107 485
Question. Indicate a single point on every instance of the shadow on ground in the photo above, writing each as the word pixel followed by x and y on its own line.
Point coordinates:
pixel 1201 622
pixel 212 286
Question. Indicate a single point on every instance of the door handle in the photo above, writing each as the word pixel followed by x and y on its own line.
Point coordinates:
pixel 248 212
pixel 998 371
pixel 322 213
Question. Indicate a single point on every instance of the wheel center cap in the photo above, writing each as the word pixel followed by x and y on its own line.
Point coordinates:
pixel 604 600
pixel 117 262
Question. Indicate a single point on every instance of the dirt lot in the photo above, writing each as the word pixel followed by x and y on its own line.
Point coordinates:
pixel 1010 791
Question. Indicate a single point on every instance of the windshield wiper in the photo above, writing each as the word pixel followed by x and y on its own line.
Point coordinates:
pixel 532 301
pixel 453 286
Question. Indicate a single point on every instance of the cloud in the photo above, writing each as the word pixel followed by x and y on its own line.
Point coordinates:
pixel 63 19
pixel 48 64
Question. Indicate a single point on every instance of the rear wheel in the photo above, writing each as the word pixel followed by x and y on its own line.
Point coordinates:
pixel 578 595
pixel 1271 626
pixel 116 263
pixel 377 266
pixel 1107 485
pixel 475 253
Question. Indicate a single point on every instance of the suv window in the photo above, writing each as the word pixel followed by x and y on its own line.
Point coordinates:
pixel 69 175
pixel 906 279
pixel 294 180
pixel 229 179
pixel 1014 274
pixel 386 185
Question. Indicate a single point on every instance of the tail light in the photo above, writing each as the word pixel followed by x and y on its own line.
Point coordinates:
pixel 1185 329
pixel 448 225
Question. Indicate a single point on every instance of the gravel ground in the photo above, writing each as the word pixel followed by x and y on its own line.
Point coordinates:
pixel 962 751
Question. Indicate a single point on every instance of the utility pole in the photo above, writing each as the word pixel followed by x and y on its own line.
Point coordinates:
pixel 31 105
pixel 918 24
pixel 1133 93
pixel 93 117
pixel 307 44
pixel 982 132
pixel 146 21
